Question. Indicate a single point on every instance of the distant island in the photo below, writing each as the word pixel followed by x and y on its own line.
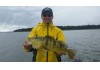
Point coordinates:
pixel 65 28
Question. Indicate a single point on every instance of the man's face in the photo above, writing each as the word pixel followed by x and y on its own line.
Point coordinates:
pixel 47 19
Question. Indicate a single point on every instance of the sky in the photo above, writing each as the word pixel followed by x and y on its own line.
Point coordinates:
pixel 17 17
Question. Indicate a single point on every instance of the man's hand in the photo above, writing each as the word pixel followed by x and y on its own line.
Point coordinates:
pixel 60 53
pixel 27 45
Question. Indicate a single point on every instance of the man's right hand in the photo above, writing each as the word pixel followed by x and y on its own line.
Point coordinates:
pixel 27 45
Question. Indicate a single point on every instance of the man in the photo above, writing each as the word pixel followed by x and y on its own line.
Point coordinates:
pixel 45 28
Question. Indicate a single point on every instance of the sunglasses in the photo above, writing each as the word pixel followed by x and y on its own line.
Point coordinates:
pixel 47 14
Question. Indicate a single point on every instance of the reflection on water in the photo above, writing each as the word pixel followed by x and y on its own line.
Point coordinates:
pixel 86 42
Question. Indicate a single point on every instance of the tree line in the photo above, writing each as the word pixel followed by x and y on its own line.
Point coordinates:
pixel 65 28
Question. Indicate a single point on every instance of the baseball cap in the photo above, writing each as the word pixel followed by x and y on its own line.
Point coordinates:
pixel 47 12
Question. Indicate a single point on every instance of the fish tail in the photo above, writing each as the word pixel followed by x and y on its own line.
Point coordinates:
pixel 71 53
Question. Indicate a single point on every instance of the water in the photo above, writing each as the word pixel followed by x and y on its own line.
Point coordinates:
pixel 86 42
pixel 11 47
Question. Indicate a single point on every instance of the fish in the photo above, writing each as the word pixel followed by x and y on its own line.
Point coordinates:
pixel 49 43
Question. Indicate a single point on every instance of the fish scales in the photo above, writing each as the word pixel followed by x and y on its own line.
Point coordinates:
pixel 49 43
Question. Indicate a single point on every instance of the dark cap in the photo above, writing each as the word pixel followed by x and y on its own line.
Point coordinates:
pixel 47 12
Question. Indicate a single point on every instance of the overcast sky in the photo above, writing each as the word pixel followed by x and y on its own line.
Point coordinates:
pixel 15 17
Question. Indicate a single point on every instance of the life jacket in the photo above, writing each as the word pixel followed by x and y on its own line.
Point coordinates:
pixel 44 29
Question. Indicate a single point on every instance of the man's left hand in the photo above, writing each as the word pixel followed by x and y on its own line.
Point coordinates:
pixel 60 53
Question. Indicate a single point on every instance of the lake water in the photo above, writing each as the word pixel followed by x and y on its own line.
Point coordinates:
pixel 86 42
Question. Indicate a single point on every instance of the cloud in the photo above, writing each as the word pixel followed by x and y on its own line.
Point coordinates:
pixel 77 15
pixel 63 15
pixel 9 28
pixel 19 15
